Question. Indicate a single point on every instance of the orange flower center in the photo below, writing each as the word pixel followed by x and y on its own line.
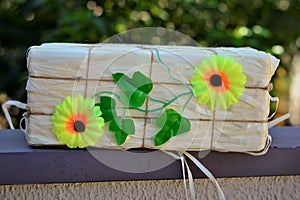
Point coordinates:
pixel 76 123
pixel 217 80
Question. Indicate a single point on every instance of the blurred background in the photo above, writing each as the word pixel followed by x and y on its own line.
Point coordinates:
pixel 268 25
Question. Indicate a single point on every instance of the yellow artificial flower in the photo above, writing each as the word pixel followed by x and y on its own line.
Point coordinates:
pixel 218 81
pixel 77 122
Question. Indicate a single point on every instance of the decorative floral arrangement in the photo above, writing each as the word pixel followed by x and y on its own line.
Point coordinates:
pixel 218 82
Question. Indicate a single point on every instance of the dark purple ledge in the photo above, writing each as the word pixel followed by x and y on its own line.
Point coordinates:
pixel 22 164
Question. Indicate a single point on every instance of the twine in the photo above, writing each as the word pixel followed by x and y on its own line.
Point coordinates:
pixel 147 100
pixel 111 80
pixel 87 71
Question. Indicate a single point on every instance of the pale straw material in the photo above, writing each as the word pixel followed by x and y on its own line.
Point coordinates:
pixel 58 70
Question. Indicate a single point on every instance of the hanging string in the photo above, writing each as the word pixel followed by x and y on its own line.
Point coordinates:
pixel 7 115
pixel 207 173
pixel 184 165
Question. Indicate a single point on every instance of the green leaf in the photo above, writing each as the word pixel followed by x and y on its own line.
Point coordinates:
pixel 171 124
pixel 185 126
pixel 107 106
pixel 122 128
pixel 133 98
pixel 142 82
pixel 162 136
pixel 127 126
pixel 120 137
pixel 135 89
pixel 161 120
pixel 117 76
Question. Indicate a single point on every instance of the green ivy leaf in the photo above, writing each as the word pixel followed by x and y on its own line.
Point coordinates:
pixel 135 89
pixel 107 106
pixel 184 126
pixel 162 136
pixel 122 128
pixel 171 124
pixel 120 137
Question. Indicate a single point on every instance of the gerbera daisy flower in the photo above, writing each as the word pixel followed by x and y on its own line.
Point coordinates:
pixel 77 122
pixel 218 81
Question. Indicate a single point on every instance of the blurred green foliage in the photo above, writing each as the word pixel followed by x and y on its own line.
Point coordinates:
pixel 268 25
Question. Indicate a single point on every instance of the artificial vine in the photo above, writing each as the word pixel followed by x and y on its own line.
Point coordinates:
pixel 135 91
